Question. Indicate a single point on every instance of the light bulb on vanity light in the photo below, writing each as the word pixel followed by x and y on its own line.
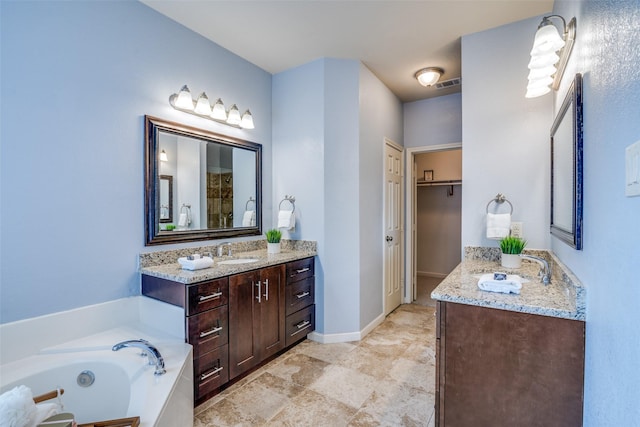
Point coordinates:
pixel 234 116
pixel 219 112
pixel 202 106
pixel 184 99
pixel 247 120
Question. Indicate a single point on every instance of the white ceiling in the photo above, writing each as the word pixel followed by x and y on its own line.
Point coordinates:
pixel 393 38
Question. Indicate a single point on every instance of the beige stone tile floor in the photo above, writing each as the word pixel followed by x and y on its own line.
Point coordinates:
pixel 386 379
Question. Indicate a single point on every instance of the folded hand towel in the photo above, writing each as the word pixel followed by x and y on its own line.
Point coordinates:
pixel 195 264
pixel 286 220
pixel 249 219
pixel 498 225
pixel 512 284
pixel 183 221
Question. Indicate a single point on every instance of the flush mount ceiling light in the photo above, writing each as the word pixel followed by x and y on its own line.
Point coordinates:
pixel 549 49
pixel 429 76
pixel 183 101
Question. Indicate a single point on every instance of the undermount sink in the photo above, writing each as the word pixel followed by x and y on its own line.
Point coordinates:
pixel 238 261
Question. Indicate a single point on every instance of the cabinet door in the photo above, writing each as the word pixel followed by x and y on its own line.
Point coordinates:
pixel 271 311
pixel 243 314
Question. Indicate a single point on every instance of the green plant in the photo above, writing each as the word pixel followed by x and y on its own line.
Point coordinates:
pixel 170 227
pixel 512 245
pixel 274 235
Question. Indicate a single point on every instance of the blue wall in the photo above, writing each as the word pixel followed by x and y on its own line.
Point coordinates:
pixel 77 80
pixel 433 121
pixel 607 54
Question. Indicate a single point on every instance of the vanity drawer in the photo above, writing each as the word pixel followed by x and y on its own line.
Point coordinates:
pixel 299 324
pixel 299 295
pixel 298 270
pixel 211 371
pixel 207 295
pixel 208 330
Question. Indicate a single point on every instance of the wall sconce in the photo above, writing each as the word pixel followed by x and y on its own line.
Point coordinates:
pixel 429 76
pixel 543 74
pixel 183 101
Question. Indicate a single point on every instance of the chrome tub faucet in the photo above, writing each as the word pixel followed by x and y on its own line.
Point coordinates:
pixel 149 350
pixel 545 269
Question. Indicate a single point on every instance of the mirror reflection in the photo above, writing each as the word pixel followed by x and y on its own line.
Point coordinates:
pixel 206 185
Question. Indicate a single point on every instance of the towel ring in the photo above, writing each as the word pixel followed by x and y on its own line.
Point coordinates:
pixel 499 199
pixel 289 199
pixel 246 205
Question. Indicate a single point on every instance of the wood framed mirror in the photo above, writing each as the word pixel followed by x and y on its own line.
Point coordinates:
pixel 200 188
pixel 566 168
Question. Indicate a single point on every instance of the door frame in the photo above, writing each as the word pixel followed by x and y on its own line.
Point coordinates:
pixel 403 277
pixel 410 210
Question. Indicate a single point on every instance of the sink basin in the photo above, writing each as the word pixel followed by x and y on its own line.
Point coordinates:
pixel 238 261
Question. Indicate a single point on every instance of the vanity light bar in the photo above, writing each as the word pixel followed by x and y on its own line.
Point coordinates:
pixel 182 101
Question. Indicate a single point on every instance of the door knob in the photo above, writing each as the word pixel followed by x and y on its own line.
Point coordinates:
pixel 389 239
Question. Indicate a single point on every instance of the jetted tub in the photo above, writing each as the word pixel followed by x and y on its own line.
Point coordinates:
pixel 124 386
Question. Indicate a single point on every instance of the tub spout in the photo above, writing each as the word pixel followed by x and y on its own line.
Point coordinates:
pixel 155 358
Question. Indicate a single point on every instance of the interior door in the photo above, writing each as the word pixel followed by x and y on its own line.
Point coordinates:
pixel 393 226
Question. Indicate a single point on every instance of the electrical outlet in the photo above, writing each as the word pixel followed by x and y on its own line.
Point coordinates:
pixel 516 229
pixel 632 169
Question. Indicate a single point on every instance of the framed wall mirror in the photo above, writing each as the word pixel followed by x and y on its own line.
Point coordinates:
pixel 205 186
pixel 566 168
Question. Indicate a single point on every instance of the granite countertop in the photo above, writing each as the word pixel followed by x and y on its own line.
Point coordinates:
pixel 564 297
pixel 171 270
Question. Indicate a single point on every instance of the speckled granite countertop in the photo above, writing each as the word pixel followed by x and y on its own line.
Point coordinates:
pixel 564 297
pixel 165 264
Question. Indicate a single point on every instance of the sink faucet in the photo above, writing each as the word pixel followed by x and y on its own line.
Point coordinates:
pixel 545 270
pixel 221 248
pixel 155 358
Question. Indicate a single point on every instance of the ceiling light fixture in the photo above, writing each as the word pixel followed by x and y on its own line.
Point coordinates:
pixel 182 101
pixel 543 74
pixel 429 76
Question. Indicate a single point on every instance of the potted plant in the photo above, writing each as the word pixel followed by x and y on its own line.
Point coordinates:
pixel 273 241
pixel 511 249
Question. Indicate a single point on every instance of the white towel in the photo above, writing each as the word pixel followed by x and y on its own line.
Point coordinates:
pixel 183 221
pixel 512 284
pixel 249 219
pixel 287 220
pixel 195 264
pixel 17 407
pixel 498 225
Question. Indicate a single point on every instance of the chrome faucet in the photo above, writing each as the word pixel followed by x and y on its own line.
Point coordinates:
pixel 155 358
pixel 221 248
pixel 545 269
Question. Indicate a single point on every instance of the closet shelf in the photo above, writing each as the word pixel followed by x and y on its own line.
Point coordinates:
pixel 434 183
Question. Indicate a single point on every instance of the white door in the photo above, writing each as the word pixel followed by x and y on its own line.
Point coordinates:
pixel 393 226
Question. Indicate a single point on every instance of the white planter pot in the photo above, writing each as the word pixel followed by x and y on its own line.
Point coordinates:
pixel 511 261
pixel 273 248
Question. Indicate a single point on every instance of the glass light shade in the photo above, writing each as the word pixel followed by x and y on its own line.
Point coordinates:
pixel 219 112
pixel 428 76
pixel 247 120
pixel 537 73
pixel 537 91
pixel 543 61
pixel 544 81
pixel 184 99
pixel 163 156
pixel 202 106
pixel 234 116
pixel 547 40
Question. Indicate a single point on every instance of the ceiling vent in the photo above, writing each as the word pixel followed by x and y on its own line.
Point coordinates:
pixel 448 83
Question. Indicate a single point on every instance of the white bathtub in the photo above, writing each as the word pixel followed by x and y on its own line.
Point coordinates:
pixel 124 386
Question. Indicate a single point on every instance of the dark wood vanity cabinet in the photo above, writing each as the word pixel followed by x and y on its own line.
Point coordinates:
pixel 503 368
pixel 235 323
pixel 256 317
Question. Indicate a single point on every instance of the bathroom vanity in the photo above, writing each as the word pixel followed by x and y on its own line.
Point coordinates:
pixel 504 359
pixel 238 315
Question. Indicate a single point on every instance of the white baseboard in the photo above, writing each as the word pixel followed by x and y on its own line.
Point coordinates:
pixel 431 274
pixel 347 336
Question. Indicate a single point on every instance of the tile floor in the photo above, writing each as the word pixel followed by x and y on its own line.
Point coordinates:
pixel 424 286
pixel 386 379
